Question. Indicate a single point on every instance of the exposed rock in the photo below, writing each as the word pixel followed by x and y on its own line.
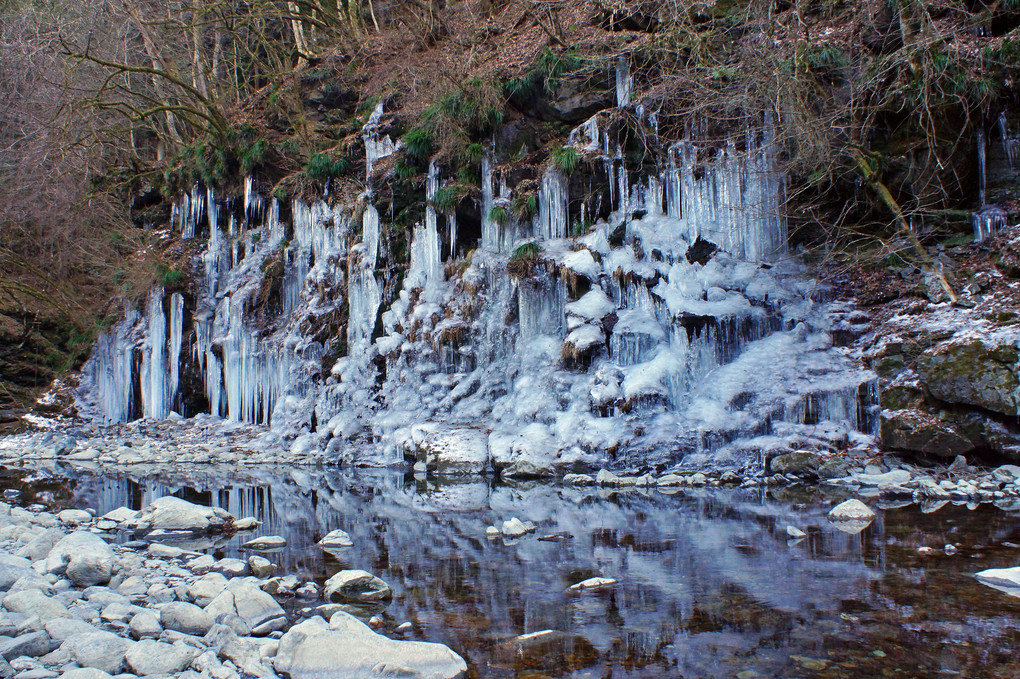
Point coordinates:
pixel 243 598
pixel 452 451
pixel 349 648
pixel 335 538
pixel 919 432
pixel 85 673
pixel 355 586
pixel 801 463
pixel 83 557
pixel 155 657
pixel 592 583
pixel 145 625
pixel 1004 579
pixel 186 618
pixel 174 514
pixel 33 644
pixel 895 477
pixel 74 517
pixel 266 542
pixel 34 602
pixel 101 650
pixel 260 566
pixel 851 516
pixel 973 373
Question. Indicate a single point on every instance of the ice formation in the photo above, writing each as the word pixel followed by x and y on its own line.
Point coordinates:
pixel 623 346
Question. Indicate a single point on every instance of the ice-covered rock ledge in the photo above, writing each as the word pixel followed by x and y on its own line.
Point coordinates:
pixel 77 606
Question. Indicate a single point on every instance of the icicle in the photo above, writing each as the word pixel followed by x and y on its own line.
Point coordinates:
pixel 376 148
pixel 176 339
pixel 1010 143
pixel 364 293
pixel 551 220
pixel 490 229
pixel 987 222
pixel 154 360
pixel 623 81
pixel 982 167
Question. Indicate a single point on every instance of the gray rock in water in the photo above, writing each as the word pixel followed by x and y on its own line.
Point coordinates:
pixel 260 566
pixel 349 648
pixel 266 542
pixel 33 644
pixel 851 516
pixel 101 650
pixel 356 586
pixel 186 618
pixel 335 538
pixel 155 657
pixel 84 557
pixel 174 514
pixel 801 462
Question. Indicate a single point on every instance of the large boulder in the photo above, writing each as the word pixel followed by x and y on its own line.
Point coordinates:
pixel 243 598
pixel 800 462
pixel 919 432
pixel 349 648
pixel 83 557
pixel 979 373
pixel 451 452
pixel 355 586
pixel 174 514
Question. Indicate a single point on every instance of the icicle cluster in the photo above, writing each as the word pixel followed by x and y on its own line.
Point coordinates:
pixel 656 330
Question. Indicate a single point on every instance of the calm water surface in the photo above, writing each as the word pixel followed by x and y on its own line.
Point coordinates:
pixel 709 584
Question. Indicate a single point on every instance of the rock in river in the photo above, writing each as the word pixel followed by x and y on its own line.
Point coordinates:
pixel 851 516
pixel 354 586
pixel 349 648
pixel 174 514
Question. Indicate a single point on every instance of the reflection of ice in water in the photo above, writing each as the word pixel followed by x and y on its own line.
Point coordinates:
pixel 673 555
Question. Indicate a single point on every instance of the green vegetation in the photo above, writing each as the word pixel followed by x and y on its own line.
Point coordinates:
pixel 527 251
pixel 321 167
pixel 170 278
pixel 447 198
pixel 499 215
pixel 565 158
pixel 525 207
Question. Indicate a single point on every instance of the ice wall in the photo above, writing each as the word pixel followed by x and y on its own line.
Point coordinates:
pixel 677 326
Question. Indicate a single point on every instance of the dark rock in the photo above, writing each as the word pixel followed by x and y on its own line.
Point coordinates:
pixel 918 432
pixel 973 373
pixel 800 462
pixel 701 251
